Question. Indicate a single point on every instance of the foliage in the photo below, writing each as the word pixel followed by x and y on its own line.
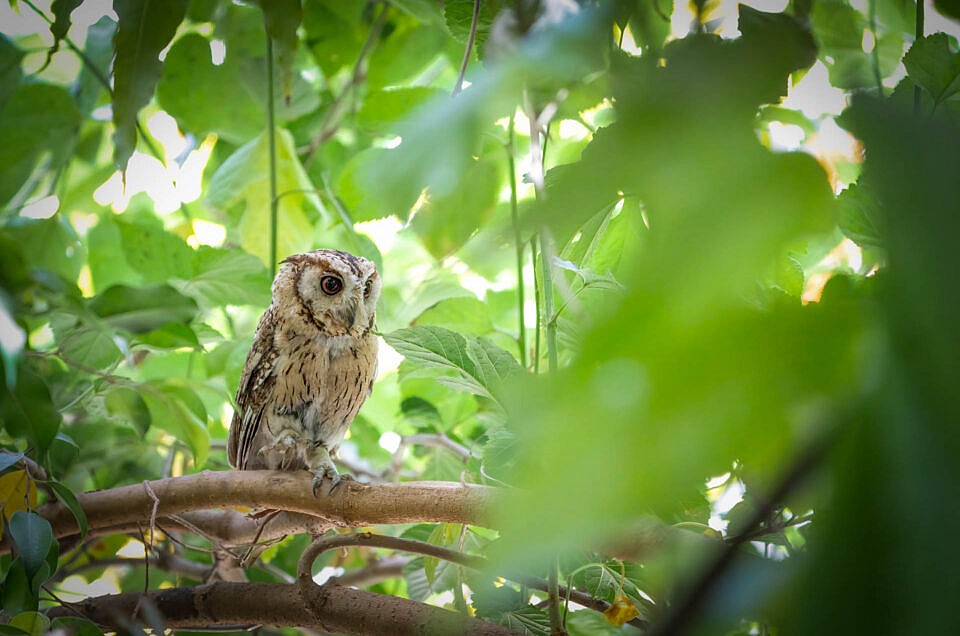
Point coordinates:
pixel 726 359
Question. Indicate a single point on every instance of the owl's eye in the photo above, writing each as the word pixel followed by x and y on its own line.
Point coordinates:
pixel 367 288
pixel 331 285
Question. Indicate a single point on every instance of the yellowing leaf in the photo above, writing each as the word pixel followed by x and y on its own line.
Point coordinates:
pixel 621 611
pixel 17 492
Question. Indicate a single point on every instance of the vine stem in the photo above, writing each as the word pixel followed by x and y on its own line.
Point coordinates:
pixel 918 33
pixel 518 242
pixel 272 142
pixel 466 53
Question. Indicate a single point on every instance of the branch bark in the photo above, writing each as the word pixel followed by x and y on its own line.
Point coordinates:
pixel 195 498
pixel 333 608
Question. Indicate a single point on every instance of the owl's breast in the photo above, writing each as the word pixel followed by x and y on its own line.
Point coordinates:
pixel 322 383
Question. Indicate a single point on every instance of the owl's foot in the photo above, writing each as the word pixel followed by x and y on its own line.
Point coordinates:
pixel 282 452
pixel 322 466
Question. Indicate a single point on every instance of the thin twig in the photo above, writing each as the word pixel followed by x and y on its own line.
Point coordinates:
pixel 466 52
pixel 684 611
pixel 517 240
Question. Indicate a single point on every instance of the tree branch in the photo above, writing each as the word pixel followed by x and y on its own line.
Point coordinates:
pixel 351 504
pixel 241 605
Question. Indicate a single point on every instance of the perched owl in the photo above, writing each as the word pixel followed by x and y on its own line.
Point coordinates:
pixel 310 368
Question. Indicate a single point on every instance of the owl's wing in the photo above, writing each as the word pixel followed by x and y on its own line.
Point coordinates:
pixel 253 391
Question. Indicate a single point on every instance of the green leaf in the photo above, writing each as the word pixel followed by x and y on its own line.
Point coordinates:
pixel 949 8
pixel 156 254
pixel 93 347
pixel 144 29
pixel 177 410
pixel 99 52
pixel 466 315
pixel 476 366
pixel 28 412
pixel 931 64
pixel 859 211
pixel 383 109
pixel 444 223
pixel 68 499
pixel 205 98
pixel 36 117
pixel 356 187
pixel 75 626
pixel 407 52
pixel 335 32
pixel 282 18
pixel 33 536
pixel 17 593
pixel 50 244
pixel 128 406
pixel 10 73
pixel 142 309
pixel 8 459
pixel 227 277
pixel 61 10
pixel 242 181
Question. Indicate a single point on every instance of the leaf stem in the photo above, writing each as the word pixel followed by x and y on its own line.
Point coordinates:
pixel 272 144
pixel 875 53
pixel 466 52
pixel 518 243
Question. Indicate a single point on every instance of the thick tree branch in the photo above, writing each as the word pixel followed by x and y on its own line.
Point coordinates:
pixel 351 504
pixel 239 605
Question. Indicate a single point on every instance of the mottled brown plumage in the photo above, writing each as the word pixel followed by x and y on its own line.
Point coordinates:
pixel 311 365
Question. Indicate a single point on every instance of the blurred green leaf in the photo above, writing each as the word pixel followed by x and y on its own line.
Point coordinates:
pixel 27 411
pixel 144 29
pixel 98 49
pixel 931 64
pixel 382 110
pixel 357 187
pixel 36 117
pixel 445 222
pixel 142 309
pixel 128 406
pixel 226 277
pixel 177 410
pixel 282 20
pixel 10 73
pixel 242 181
pixel 205 98
pixel 859 210
pixel 92 347
pixel 153 252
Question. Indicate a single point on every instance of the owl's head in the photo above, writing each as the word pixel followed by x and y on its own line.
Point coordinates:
pixel 334 290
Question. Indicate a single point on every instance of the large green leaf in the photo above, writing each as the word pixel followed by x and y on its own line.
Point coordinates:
pixel 142 309
pixel 243 181
pixel 226 277
pixel 10 58
pixel 476 365
pixel 444 223
pixel 144 29
pixel 205 98
pixel 932 65
pixel 36 117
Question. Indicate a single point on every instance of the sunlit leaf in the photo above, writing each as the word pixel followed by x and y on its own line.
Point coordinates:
pixel 144 29
pixel 931 64
pixel 243 181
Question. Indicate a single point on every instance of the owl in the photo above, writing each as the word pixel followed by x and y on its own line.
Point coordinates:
pixel 310 368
